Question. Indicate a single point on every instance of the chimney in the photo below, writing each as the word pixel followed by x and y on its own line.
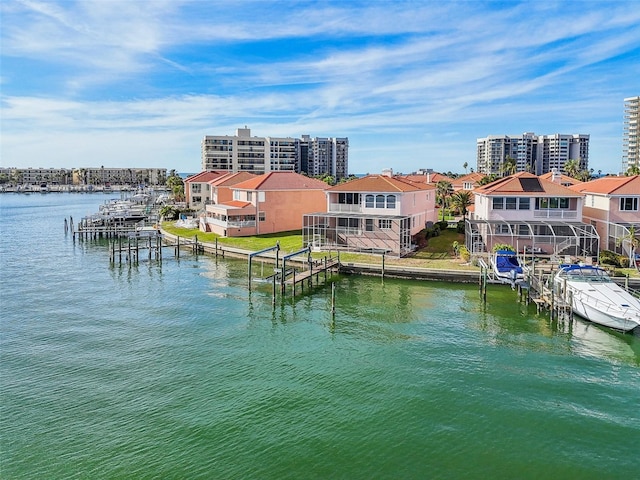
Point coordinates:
pixel 555 177
pixel 388 172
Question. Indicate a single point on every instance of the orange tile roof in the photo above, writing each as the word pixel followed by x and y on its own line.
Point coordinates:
pixel 610 186
pixel 205 176
pixel 433 178
pixel 282 181
pixel 512 185
pixel 236 204
pixel 231 179
pixel 564 179
pixel 381 183
pixel 470 177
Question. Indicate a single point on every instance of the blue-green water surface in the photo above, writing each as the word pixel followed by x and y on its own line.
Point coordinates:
pixel 176 370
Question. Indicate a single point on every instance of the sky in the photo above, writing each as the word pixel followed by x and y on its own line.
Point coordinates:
pixel 412 84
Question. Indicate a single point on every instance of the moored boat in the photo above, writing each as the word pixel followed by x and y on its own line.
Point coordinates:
pixel 593 295
pixel 507 267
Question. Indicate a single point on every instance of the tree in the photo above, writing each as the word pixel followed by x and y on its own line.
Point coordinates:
pixel 444 190
pixel 632 237
pixel 461 200
pixel 509 166
pixel 487 179
pixel 169 212
pixel 572 167
pixel 632 170
pixel 583 175
pixel 465 165
pixel 176 184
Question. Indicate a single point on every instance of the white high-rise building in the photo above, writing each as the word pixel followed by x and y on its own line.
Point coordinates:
pixel 242 152
pixel 630 139
pixel 538 154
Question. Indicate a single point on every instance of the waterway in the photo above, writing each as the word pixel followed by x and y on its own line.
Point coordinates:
pixel 176 370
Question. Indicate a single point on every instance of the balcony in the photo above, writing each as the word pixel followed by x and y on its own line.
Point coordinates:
pixel 345 207
pixel 555 213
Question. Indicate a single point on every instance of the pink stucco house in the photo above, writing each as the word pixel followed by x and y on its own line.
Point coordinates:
pixel 530 214
pixel 377 213
pixel 612 205
pixel 197 189
pixel 268 203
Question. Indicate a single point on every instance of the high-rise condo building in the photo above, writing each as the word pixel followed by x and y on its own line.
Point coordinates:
pixel 630 140
pixel 242 152
pixel 538 154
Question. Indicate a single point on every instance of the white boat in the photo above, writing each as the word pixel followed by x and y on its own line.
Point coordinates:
pixel 507 267
pixel 594 296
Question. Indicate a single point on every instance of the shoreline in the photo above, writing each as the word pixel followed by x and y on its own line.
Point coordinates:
pixel 356 268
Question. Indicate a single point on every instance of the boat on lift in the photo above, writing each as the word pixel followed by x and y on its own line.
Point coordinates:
pixel 593 295
pixel 507 267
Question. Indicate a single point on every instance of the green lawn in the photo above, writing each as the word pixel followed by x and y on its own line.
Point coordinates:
pixel 289 241
pixel 437 254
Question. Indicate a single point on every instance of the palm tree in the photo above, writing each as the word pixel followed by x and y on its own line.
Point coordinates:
pixel 572 167
pixel 444 190
pixel 461 200
pixel 465 165
pixel 632 237
pixel 509 166
pixel 487 179
pixel 632 170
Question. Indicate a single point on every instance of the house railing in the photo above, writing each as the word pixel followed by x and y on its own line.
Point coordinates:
pixel 345 207
pixel 231 223
pixel 555 213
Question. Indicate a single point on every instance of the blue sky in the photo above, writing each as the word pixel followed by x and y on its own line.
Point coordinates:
pixel 412 84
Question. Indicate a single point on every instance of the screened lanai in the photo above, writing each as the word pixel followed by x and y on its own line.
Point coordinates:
pixel 540 237
pixel 358 232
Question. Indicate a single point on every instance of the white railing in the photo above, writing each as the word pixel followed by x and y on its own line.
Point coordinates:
pixel 344 207
pixel 555 213
pixel 231 224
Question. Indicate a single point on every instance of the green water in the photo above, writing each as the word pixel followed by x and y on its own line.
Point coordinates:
pixel 176 370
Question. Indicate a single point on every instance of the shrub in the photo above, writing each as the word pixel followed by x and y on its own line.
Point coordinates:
pixel 503 246
pixel 460 226
pixel 464 253
pixel 608 257
pixel 442 225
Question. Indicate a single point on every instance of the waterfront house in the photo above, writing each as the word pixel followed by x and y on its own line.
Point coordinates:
pixel 378 213
pixel 612 205
pixel 197 189
pixel 268 203
pixel 530 214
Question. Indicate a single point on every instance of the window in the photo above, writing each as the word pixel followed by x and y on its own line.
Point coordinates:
pixel 236 195
pixel 498 203
pixel 629 204
pixel 503 229
pixel 391 201
pixel 368 201
pixel 348 222
pixel 261 196
pixel 368 225
pixel 523 203
pixel 249 196
pixel 379 201
pixel 511 203
pixel 384 224
pixel 261 216
pixel 553 202
pixel 523 230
